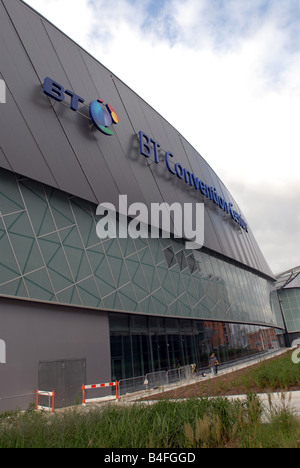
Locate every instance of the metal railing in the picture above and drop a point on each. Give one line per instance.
(132, 385)
(181, 373)
(154, 379)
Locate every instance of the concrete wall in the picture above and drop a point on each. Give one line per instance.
(35, 332)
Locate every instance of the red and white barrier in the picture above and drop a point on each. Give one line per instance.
(48, 394)
(100, 385)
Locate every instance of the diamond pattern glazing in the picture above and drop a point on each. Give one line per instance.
(50, 252)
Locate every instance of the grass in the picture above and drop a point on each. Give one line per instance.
(193, 423)
(276, 374)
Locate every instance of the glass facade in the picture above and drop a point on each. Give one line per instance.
(141, 344)
(290, 303)
(50, 252)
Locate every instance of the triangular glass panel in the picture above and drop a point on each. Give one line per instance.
(10, 199)
(23, 242)
(14, 288)
(37, 207)
(113, 302)
(60, 208)
(69, 296)
(39, 286)
(8, 267)
(128, 298)
(85, 221)
(89, 293)
(101, 271)
(55, 261)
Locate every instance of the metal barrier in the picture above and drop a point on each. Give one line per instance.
(156, 379)
(45, 393)
(101, 385)
(134, 384)
(181, 373)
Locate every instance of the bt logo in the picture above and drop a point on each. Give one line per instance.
(103, 118)
(102, 115)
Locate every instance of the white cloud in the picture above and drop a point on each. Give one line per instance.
(72, 17)
(227, 78)
(274, 211)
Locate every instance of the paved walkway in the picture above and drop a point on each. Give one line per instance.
(276, 400)
(199, 378)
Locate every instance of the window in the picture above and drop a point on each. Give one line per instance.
(181, 260)
(170, 257)
(192, 263)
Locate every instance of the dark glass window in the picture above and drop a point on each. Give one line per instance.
(181, 260)
(170, 257)
(142, 345)
(192, 263)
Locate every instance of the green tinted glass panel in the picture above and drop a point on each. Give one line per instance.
(127, 297)
(101, 270)
(23, 242)
(14, 288)
(60, 209)
(89, 293)
(37, 207)
(39, 286)
(69, 296)
(56, 262)
(75, 253)
(85, 221)
(8, 266)
(10, 198)
(127, 247)
(113, 302)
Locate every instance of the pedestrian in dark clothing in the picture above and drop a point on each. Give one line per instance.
(212, 363)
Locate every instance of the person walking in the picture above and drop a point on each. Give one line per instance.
(212, 364)
(216, 366)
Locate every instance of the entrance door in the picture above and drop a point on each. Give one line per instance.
(65, 378)
(117, 370)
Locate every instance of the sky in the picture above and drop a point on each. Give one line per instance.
(226, 75)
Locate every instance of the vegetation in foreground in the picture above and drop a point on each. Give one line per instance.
(192, 423)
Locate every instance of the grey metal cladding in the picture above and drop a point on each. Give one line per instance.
(16, 133)
(44, 140)
(32, 137)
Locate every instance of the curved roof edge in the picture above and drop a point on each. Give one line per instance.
(94, 168)
(288, 279)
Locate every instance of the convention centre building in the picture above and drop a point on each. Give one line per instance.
(77, 307)
(288, 290)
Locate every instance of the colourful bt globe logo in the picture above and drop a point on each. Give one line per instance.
(103, 116)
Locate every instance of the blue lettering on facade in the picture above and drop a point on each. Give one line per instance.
(102, 115)
(145, 146)
(167, 156)
(149, 147)
(56, 91)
